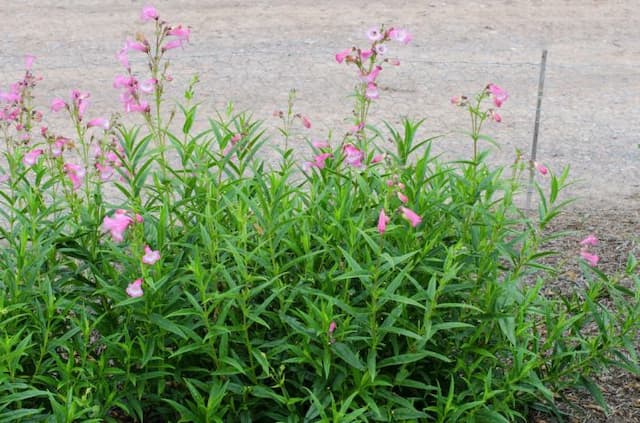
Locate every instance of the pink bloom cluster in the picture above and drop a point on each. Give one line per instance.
(132, 91)
(409, 215)
(15, 107)
(591, 258)
(117, 225)
(367, 62)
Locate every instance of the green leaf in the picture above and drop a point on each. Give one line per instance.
(343, 351)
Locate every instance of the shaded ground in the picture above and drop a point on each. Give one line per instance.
(619, 236)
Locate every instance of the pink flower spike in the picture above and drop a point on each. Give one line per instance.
(306, 122)
(57, 104)
(31, 157)
(100, 122)
(394, 62)
(117, 224)
(591, 259)
(499, 95)
(150, 256)
(139, 218)
(590, 240)
(353, 156)
(402, 198)
(542, 169)
(411, 216)
(28, 61)
(148, 13)
(344, 53)
(75, 173)
(383, 220)
(134, 289)
(374, 34)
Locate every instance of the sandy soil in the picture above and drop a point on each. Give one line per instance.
(253, 53)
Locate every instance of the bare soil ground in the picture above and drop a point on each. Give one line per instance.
(252, 53)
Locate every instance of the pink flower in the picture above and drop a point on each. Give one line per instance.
(28, 61)
(80, 101)
(332, 327)
(148, 13)
(106, 171)
(402, 198)
(499, 95)
(57, 104)
(150, 256)
(123, 57)
(374, 34)
(495, 116)
(541, 168)
(383, 220)
(31, 157)
(591, 259)
(58, 146)
(411, 216)
(378, 158)
(136, 45)
(590, 240)
(148, 86)
(75, 173)
(371, 77)
(381, 49)
(357, 128)
(172, 44)
(365, 54)
(180, 32)
(139, 218)
(306, 122)
(372, 91)
(134, 289)
(320, 160)
(353, 156)
(100, 122)
(320, 144)
(400, 35)
(117, 224)
(344, 53)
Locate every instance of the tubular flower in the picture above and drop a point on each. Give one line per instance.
(411, 216)
(134, 289)
(117, 224)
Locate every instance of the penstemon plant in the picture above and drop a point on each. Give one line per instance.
(154, 276)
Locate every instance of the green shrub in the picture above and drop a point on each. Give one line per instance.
(212, 287)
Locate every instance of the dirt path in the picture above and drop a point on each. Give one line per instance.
(254, 53)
